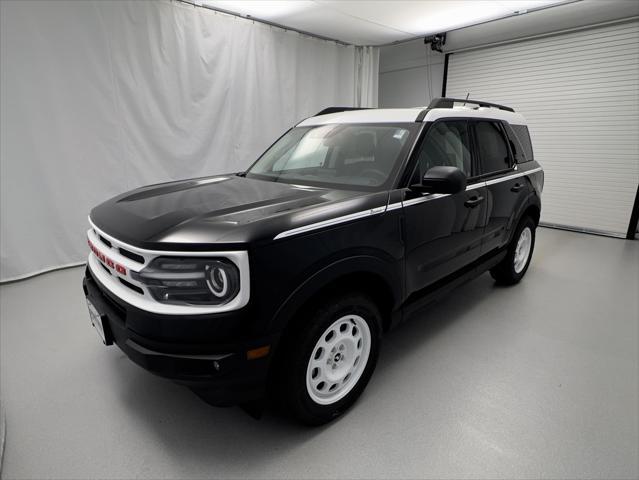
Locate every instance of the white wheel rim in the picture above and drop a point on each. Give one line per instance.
(338, 360)
(522, 251)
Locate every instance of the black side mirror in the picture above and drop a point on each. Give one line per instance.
(442, 180)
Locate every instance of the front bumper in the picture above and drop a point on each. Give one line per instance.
(186, 349)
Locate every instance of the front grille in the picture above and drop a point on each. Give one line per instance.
(105, 241)
(106, 297)
(132, 256)
(105, 268)
(131, 286)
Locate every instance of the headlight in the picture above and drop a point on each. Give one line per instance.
(190, 281)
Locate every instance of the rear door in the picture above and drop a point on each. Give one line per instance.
(443, 232)
(506, 190)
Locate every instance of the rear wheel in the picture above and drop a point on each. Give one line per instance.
(331, 358)
(514, 266)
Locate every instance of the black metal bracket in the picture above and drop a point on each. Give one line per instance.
(436, 41)
(634, 218)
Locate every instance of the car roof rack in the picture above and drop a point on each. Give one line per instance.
(450, 103)
(328, 110)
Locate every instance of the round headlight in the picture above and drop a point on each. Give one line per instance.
(217, 280)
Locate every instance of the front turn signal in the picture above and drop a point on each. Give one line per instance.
(258, 352)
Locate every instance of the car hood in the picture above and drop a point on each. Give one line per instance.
(225, 209)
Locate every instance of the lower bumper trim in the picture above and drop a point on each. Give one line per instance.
(145, 351)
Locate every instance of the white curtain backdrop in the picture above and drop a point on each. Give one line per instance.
(99, 97)
(367, 76)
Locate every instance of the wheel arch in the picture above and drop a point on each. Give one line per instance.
(532, 208)
(363, 273)
(370, 275)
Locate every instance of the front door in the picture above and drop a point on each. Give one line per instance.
(443, 232)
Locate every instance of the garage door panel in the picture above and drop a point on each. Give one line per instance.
(614, 134)
(575, 86)
(613, 36)
(567, 117)
(559, 55)
(598, 97)
(578, 68)
(563, 120)
(623, 88)
(567, 60)
(580, 94)
(623, 71)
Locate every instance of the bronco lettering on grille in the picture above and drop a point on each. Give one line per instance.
(106, 260)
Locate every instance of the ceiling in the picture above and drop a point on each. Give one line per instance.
(376, 22)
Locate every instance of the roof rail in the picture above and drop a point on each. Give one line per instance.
(450, 103)
(421, 115)
(328, 110)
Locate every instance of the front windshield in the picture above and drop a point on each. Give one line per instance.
(339, 155)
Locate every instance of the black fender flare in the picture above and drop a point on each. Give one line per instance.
(364, 264)
(532, 200)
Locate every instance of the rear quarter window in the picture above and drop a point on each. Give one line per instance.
(522, 140)
(492, 146)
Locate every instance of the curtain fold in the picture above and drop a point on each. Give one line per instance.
(100, 97)
(367, 76)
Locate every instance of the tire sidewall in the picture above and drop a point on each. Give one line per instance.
(526, 222)
(310, 411)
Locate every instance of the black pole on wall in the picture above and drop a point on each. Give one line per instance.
(634, 217)
(445, 75)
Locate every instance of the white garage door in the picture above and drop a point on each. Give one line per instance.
(580, 94)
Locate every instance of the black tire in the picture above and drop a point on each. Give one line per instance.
(505, 273)
(293, 366)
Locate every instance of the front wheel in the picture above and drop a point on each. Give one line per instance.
(514, 266)
(331, 358)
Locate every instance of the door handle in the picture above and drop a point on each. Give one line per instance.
(517, 187)
(473, 202)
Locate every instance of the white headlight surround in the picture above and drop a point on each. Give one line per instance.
(239, 258)
(190, 280)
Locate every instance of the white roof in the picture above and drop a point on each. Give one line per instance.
(373, 115)
(400, 115)
(481, 112)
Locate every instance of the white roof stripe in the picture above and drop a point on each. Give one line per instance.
(374, 115)
(482, 112)
(399, 115)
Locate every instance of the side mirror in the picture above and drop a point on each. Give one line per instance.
(449, 180)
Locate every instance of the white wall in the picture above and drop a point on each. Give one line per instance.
(404, 79)
(100, 97)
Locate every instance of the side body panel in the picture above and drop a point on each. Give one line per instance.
(289, 271)
(506, 197)
(443, 234)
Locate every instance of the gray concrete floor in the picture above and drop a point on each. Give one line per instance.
(539, 380)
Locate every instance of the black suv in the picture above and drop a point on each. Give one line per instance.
(287, 275)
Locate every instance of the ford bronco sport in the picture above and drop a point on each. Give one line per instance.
(282, 279)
